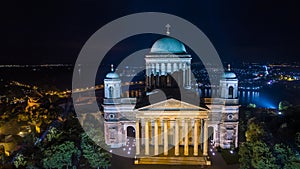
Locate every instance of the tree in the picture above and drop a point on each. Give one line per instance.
(19, 161)
(255, 132)
(285, 158)
(251, 105)
(256, 155)
(93, 152)
(245, 155)
(262, 157)
(61, 155)
(283, 105)
(53, 134)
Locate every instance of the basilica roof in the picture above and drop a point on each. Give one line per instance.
(167, 45)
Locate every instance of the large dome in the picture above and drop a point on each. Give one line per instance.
(168, 45)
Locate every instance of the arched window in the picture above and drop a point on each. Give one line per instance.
(230, 92)
(110, 92)
(130, 132)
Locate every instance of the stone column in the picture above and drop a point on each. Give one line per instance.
(175, 67)
(147, 69)
(201, 133)
(163, 69)
(186, 137)
(196, 137)
(157, 68)
(146, 137)
(152, 69)
(205, 138)
(169, 68)
(186, 75)
(183, 78)
(166, 147)
(156, 136)
(137, 137)
(189, 75)
(148, 75)
(177, 137)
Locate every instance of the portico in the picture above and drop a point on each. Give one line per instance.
(171, 128)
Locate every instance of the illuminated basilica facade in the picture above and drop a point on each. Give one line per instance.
(171, 127)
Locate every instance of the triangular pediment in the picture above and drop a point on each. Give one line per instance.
(172, 104)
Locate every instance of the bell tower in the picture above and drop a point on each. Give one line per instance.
(230, 110)
(112, 85)
(229, 85)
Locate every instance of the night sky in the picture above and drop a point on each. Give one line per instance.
(54, 31)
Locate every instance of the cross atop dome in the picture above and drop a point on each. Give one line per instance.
(168, 26)
(112, 74)
(112, 67)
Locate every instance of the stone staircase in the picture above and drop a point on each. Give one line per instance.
(174, 160)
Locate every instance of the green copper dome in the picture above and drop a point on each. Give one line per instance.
(168, 45)
(229, 75)
(112, 74)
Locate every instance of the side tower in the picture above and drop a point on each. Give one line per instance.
(112, 100)
(229, 85)
(118, 112)
(230, 110)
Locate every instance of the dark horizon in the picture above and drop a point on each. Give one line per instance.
(38, 32)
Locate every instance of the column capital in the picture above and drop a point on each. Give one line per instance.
(166, 119)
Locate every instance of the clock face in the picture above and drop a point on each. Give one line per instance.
(111, 116)
(230, 116)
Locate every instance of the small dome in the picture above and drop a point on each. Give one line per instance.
(229, 75)
(167, 45)
(112, 74)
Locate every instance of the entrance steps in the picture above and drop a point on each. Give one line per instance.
(203, 160)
